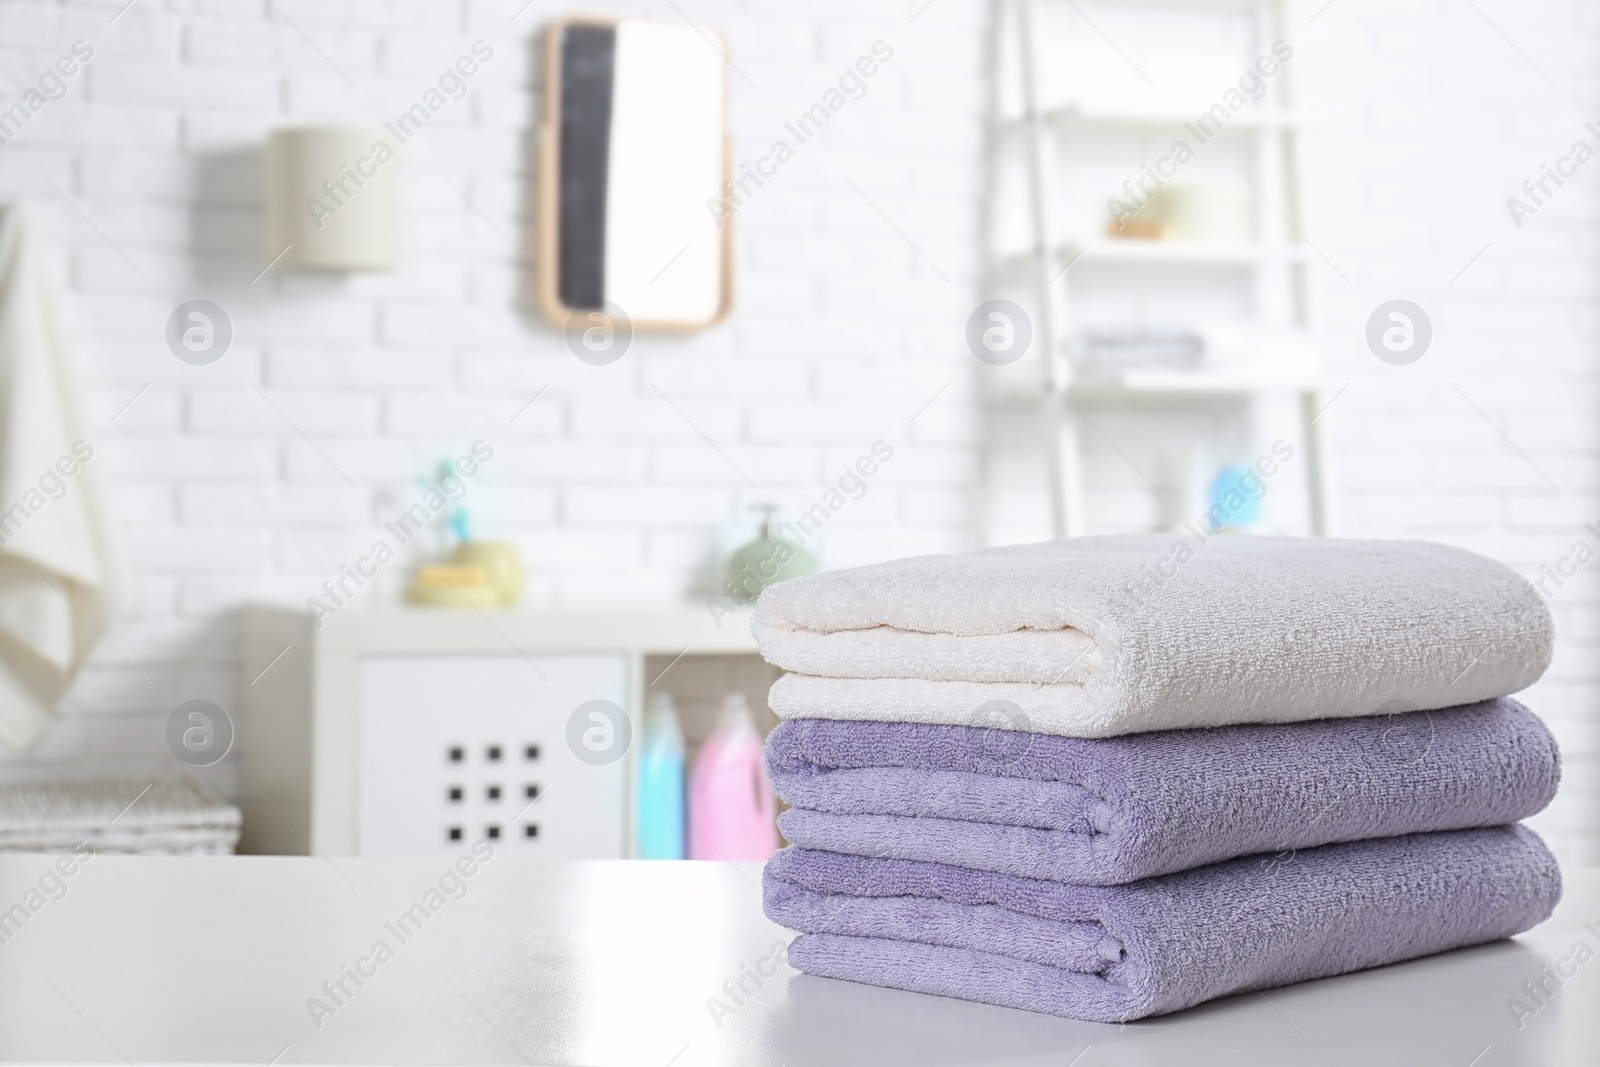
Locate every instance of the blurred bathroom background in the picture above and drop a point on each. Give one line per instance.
(1205, 308)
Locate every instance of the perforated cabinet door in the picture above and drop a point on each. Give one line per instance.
(456, 748)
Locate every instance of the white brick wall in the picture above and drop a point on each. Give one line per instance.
(1422, 121)
(611, 493)
(1425, 121)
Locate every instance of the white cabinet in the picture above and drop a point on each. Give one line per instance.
(455, 748)
(384, 733)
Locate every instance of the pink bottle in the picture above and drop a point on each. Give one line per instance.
(732, 812)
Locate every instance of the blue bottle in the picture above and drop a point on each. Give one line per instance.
(660, 792)
(1236, 498)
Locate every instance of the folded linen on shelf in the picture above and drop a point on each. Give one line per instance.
(179, 816)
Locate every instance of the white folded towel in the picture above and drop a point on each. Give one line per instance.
(56, 562)
(1098, 636)
(173, 817)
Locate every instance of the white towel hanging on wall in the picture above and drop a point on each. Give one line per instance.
(56, 569)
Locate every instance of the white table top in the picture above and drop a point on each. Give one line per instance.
(213, 961)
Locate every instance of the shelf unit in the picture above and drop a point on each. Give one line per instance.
(1279, 246)
(1176, 384)
(1269, 118)
(349, 733)
(1112, 250)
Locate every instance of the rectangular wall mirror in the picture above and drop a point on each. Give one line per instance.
(634, 164)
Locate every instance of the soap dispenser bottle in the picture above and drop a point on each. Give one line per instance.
(660, 792)
(732, 811)
(767, 560)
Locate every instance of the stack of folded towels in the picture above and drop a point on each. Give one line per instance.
(1105, 779)
(177, 817)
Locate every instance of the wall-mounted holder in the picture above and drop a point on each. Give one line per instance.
(333, 198)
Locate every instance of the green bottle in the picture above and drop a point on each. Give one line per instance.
(767, 560)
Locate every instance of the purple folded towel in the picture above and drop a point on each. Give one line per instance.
(1113, 810)
(1110, 954)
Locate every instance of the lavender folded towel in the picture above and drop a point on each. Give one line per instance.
(1111, 810)
(1125, 952)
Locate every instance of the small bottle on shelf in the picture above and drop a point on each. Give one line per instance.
(732, 810)
(660, 791)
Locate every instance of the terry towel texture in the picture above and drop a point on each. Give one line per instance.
(1100, 636)
(1112, 810)
(1125, 952)
(174, 817)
